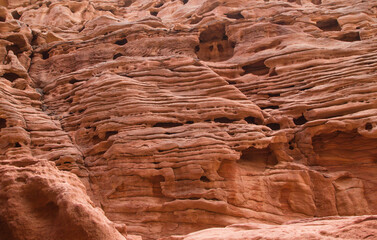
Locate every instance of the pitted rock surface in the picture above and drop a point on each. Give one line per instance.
(181, 115)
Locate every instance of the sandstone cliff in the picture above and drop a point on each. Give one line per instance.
(173, 116)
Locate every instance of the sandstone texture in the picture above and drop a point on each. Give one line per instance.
(173, 116)
(360, 227)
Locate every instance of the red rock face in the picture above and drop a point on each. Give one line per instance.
(183, 115)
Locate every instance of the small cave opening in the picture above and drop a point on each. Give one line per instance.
(350, 37)
(185, 1)
(189, 122)
(167, 124)
(121, 42)
(17, 145)
(14, 48)
(73, 81)
(117, 56)
(110, 133)
(250, 120)
(2, 19)
(330, 24)
(257, 159)
(11, 76)
(156, 185)
(153, 13)
(235, 15)
(258, 68)
(16, 15)
(204, 179)
(300, 120)
(224, 120)
(214, 44)
(273, 126)
(368, 126)
(3, 123)
(45, 55)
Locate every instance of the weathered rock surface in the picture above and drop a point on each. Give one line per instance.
(188, 114)
(360, 227)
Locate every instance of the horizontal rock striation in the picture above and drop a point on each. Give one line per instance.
(188, 114)
(360, 227)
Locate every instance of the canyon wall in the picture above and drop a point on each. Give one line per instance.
(159, 118)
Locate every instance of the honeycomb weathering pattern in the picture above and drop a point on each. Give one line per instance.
(174, 116)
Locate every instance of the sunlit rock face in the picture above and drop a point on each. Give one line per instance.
(173, 116)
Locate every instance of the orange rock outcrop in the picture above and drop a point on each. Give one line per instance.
(174, 116)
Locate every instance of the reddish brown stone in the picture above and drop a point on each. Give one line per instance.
(183, 115)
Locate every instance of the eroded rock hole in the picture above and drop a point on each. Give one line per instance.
(73, 81)
(45, 55)
(121, 42)
(184, 1)
(257, 68)
(204, 179)
(214, 44)
(16, 15)
(300, 120)
(273, 94)
(250, 120)
(257, 159)
(153, 13)
(350, 37)
(274, 126)
(270, 107)
(189, 122)
(3, 123)
(235, 15)
(224, 120)
(317, 2)
(368, 126)
(14, 48)
(110, 133)
(117, 56)
(2, 19)
(11, 76)
(167, 124)
(330, 24)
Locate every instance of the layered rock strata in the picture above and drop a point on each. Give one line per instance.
(184, 115)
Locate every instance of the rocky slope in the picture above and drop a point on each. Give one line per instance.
(180, 115)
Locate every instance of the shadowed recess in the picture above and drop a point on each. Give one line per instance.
(3, 123)
(11, 76)
(257, 68)
(330, 24)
